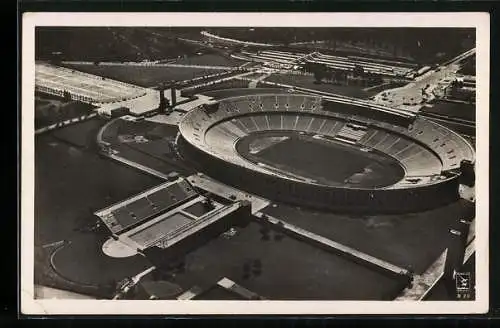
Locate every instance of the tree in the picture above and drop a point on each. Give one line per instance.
(66, 96)
(318, 76)
(319, 71)
(358, 71)
(307, 66)
(329, 75)
(333, 75)
(342, 77)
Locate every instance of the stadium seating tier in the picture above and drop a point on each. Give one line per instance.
(424, 149)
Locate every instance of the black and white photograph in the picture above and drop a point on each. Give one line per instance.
(205, 163)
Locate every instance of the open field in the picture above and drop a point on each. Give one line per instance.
(87, 248)
(306, 81)
(51, 109)
(280, 267)
(145, 76)
(412, 240)
(110, 43)
(209, 60)
(95, 182)
(154, 153)
(457, 110)
(225, 93)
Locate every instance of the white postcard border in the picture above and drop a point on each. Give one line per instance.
(478, 20)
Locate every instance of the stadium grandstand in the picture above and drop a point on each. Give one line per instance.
(428, 155)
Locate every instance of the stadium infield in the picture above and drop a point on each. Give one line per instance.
(327, 162)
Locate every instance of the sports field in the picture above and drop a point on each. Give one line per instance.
(330, 163)
(144, 76)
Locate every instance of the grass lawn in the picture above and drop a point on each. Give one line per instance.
(279, 267)
(458, 110)
(225, 93)
(142, 75)
(209, 60)
(50, 110)
(308, 82)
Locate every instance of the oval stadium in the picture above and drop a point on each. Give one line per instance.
(302, 149)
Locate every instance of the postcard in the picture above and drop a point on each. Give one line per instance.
(254, 163)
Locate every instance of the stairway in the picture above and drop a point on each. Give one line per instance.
(351, 133)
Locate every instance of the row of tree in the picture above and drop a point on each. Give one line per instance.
(323, 72)
(108, 44)
(424, 45)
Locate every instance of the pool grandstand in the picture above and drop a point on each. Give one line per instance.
(135, 210)
(170, 216)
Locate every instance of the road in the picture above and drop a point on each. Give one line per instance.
(254, 82)
(149, 63)
(410, 96)
(223, 79)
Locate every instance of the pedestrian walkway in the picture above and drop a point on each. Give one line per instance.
(254, 82)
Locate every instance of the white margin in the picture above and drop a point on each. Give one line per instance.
(478, 20)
